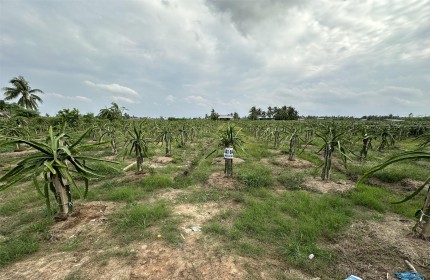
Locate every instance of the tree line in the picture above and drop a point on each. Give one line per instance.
(281, 113)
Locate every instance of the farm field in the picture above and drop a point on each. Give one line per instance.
(289, 211)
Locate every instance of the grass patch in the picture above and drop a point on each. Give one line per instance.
(381, 200)
(311, 157)
(110, 191)
(23, 239)
(255, 151)
(293, 181)
(289, 227)
(22, 201)
(202, 171)
(202, 195)
(170, 231)
(16, 248)
(105, 169)
(130, 223)
(255, 176)
(155, 182)
(183, 181)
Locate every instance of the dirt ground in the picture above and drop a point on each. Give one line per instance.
(369, 249)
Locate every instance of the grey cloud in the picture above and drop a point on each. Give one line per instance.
(319, 56)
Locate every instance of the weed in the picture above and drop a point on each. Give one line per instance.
(255, 176)
(15, 248)
(293, 181)
(155, 182)
(132, 221)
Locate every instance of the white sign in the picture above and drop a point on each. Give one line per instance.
(228, 153)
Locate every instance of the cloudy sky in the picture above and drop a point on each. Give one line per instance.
(182, 58)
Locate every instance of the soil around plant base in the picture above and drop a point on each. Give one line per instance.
(369, 249)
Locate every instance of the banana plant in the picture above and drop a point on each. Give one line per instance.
(58, 163)
(138, 145)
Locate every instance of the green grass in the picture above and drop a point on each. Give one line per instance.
(131, 222)
(254, 151)
(253, 176)
(292, 180)
(290, 227)
(105, 168)
(155, 182)
(15, 204)
(263, 224)
(23, 237)
(202, 171)
(113, 191)
(394, 173)
(18, 247)
(311, 157)
(381, 200)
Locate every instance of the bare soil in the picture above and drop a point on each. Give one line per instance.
(295, 163)
(320, 186)
(373, 249)
(369, 249)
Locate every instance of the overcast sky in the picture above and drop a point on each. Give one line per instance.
(182, 58)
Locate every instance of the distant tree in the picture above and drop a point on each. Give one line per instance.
(270, 112)
(254, 113)
(88, 118)
(214, 115)
(286, 113)
(236, 116)
(28, 98)
(69, 117)
(19, 111)
(3, 105)
(112, 113)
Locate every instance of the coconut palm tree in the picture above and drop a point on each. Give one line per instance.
(28, 98)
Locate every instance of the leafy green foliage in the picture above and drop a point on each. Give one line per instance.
(137, 144)
(53, 161)
(21, 88)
